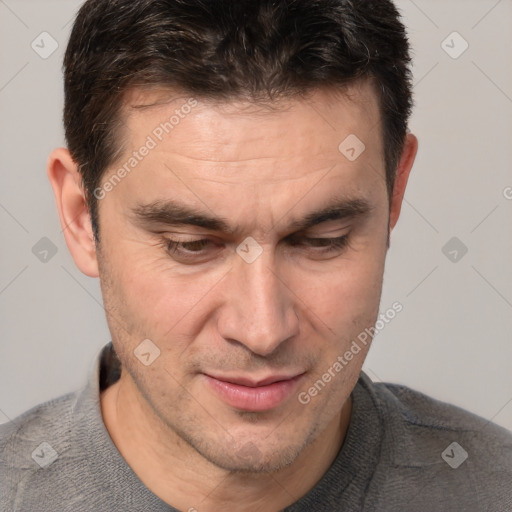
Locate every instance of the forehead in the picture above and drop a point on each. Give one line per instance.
(247, 159)
(255, 165)
(211, 130)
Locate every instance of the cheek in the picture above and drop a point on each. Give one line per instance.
(167, 302)
(348, 294)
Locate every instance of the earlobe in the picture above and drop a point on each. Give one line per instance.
(73, 212)
(402, 175)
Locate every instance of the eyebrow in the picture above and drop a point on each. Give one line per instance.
(174, 213)
(338, 210)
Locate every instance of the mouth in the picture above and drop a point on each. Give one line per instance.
(247, 394)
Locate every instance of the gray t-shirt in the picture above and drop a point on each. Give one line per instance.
(403, 451)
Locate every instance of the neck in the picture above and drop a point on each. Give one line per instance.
(182, 478)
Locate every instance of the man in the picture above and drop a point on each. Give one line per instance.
(234, 170)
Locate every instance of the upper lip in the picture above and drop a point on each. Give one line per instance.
(254, 383)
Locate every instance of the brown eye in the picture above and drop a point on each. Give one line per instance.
(190, 252)
(193, 246)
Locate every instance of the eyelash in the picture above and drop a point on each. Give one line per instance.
(327, 246)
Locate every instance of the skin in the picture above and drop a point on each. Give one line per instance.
(293, 310)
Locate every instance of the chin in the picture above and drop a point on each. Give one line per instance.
(250, 458)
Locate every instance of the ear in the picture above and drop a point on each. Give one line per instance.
(402, 175)
(73, 212)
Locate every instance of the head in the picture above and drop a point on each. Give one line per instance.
(233, 172)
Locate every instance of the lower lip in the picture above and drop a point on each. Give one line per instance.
(261, 398)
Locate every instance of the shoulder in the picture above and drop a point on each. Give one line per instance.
(416, 409)
(34, 423)
(38, 439)
(435, 449)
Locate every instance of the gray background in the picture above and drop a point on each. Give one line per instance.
(453, 338)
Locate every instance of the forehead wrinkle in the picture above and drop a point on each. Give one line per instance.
(216, 174)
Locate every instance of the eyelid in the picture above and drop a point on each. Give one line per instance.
(332, 246)
(181, 242)
(333, 233)
(181, 254)
(299, 238)
(182, 238)
(296, 237)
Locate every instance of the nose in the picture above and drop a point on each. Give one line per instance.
(259, 308)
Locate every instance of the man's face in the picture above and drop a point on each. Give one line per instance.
(228, 313)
